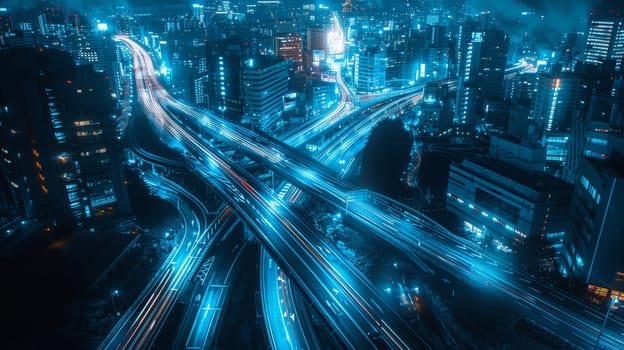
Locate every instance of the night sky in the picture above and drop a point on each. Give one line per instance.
(563, 12)
(563, 15)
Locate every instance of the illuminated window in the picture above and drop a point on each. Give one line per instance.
(579, 261)
(591, 190)
(597, 290)
(595, 141)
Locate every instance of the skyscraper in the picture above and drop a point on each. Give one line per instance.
(555, 100)
(225, 65)
(434, 63)
(590, 128)
(316, 39)
(436, 36)
(554, 108)
(315, 49)
(320, 95)
(290, 46)
(520, 89)
(265, 82)
(594, 244)
(464, 35)
(58, 139)
(370, 70)
(482, 72)
(492, 62)
(436, 109)
(605, 38)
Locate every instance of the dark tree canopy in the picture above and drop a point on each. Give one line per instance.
(385, 157)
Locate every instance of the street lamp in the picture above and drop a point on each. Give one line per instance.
(604, 322)
(113, 294)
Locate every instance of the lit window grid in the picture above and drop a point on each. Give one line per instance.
(458, 202)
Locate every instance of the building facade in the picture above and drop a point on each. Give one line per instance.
(290, 47)
(435, 110)
(265, 83)
(224, 63)
(481, 73)
(369, 71)
(594, 245)
(554, 108)
(605, 38)
(62, 159)
(506, 204)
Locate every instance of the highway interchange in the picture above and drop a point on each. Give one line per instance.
(308, 258)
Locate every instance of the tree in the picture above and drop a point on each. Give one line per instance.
(385, 157)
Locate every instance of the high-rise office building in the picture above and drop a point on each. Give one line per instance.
(555, 103)
(616, 120)
(97, 49)
(315, 49)
(97, 154)
(598, 137)
(316, 39)
(593, 246)
(52, 21)
(555, 100)
(464, 36)
(520, 89)
(595, 79)
(63, 161)
(481, 73)
(435, 109)
(492, 62)
(590, 129)
(594, 242)
(225, 66)
(434, 64)
(369, 70)
(321, 95)
(199, 14)
(199, 95)
(290, 46)
(436, 36)
(265, 82)
(605, 38)
(394, 64)
(571, 49)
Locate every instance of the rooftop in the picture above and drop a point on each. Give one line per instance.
(536, 181)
